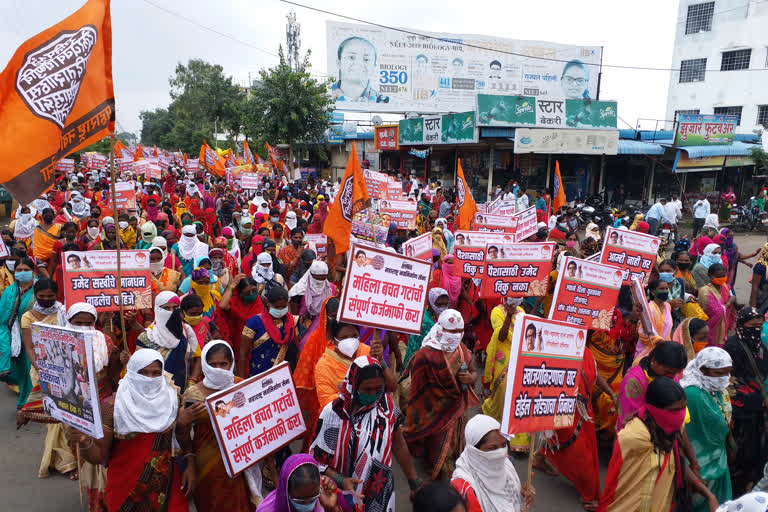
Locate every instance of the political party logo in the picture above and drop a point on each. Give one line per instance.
(346, 198)
(556, 186)
(49, 79)
(461, 190)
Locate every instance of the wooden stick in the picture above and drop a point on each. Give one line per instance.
(531, 455)
(79, 480)
(117, 241)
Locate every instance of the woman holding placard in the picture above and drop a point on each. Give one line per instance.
(215, 491)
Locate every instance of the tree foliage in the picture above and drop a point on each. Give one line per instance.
(288, 106)
(760, 157)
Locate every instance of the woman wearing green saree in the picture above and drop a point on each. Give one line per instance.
(705, 380)
(16, 300)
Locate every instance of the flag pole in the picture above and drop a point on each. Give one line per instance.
(118, 240)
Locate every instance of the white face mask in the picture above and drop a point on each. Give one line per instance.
(716, 383)
(94, 232)
(149, 387)
(10, 264)
(156, 266)
(123, 224)
(451, 340)
(316, 285)
(348, 346)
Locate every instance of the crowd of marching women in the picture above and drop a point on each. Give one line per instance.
(237, 289)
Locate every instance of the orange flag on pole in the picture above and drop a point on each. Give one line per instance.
(351, 198)
(467, 205)
(210, 160)
(56, 97)
(121, 151)
(558, 193)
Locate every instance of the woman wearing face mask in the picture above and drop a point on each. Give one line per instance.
(233, 247)
(291, 253)
(264, 274)
(667, 358)
(661, 318)
(484, 475)
(711, 255)
(228, 264)
(24, 224)
(717, 302)
(270, 337)
(438, 301)
(173, 339)
(442, 375)
(239, 302)
(171, 259)
(309, 294)
(163, 278)
(683, 262)
(16, 300)
(667, 269)
(215, 490)
(192, 314)
(750, 368)
(208, 292)
(572, 244)
(647, 470)
(205, 263)
(693, 334)
(139, 425)
(357, 435)
(451, 282)
(107, 240)
(705, 381)
(148, 234)
(189, 249)
(438, 242)
(44, 237)
(91, 234)
(302, 488)
(79, 206)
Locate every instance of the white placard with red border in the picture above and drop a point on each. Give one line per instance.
(249, 180)
(526, 224)
(631, 251)
(517, 270)
(419, 247)
(469, 250)
(320, 241)
(255, 417)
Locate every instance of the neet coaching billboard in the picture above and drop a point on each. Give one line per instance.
(383, 70)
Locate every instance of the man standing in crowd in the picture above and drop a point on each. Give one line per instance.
(700, 214)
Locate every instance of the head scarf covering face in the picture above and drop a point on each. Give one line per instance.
(434, 294)
(712, 358)
(161, 242)
(80, 207)
(451, 282)
(217, 378)
(291, 220)
(260, 273)
(437, 338)
(148, 232)
(100, 350)
(158, 332)
(712, 221)
(144, 404)
(25, 224)
(314, 291)
(190, 247)
(750, 336)
(709, 258)
(490, 474)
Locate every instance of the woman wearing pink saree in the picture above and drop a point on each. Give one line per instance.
(717, 302)
(661, 318)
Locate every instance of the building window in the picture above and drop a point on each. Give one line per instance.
(762, 115)
(729, 111)
(692, 70)
(690, 112)
(699, 18)
(735, 60)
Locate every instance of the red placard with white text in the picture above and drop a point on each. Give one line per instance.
(320, 242)
(586, 293)
(65, 165)
(469, 251)
(125, 195)
(543, 375)
(402, 212)
(517, 270)
(631, 251)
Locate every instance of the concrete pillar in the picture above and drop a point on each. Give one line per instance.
(602, 174)
(549, 170)
(649, 199)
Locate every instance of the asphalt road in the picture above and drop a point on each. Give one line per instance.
(22, 490)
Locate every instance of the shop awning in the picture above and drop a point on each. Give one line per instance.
(735, 149)
(636, 147)
(497, 132)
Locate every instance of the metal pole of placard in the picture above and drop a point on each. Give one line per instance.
(117, 240)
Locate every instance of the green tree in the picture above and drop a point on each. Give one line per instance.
(288, 106)
(154, 125)
(761, 159)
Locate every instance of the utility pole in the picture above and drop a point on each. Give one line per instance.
(293, 40)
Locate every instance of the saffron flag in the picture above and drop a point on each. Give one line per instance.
(56, 97)
(210, 160)
(272, 160)
(558, 193)
(351, 198)
(122, 151)
(247, 154)
(467, 205)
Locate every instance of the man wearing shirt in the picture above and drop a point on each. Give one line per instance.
(700, 213)
(673, 210)
(656, 214)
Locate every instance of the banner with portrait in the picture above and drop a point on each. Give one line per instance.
(517, 270)
(633, 252)
(403, 213)
(586, 293)
(419, 247)
(384, 290)
(543, 375)
(125, 195)
(469, 251)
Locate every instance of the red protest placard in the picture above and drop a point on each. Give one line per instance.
(517, 270)
(92, 277)
(586, 293)
(631, 251)
(394, 191)
(543, 374)
(469, 251)
(152, 172)
(140, 167)
(525, 224)
(402, 212)
(125, 196)
(419, 247)
(386, 137)
(320, 241)
(255, 417)
(125, 165)
(250, 180)
(65, 165)
(376, 182)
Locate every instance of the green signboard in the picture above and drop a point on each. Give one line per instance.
(434, 130)
(411, 132)
(590, 114)
(498, 110)
(704, 130)
(458, 128)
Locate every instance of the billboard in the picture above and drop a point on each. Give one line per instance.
(443, 129)
(528, 111)
(385, 70)
(559, 141)
(699, 130)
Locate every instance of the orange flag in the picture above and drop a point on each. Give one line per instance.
(56, 98)
(210, 160)
(467, 205)
(558, 194)
(122, 151)
(247, 154)
(351, 198)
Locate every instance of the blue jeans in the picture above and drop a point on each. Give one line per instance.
(654, 223)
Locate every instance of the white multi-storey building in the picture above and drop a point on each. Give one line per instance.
(721, 51)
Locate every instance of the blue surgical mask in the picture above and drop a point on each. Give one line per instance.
(275, 219)
(278, 313)
(710, 259)
(667, 276)
(24, 276)
(303, 507)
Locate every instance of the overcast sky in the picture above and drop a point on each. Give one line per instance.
(148, 42)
